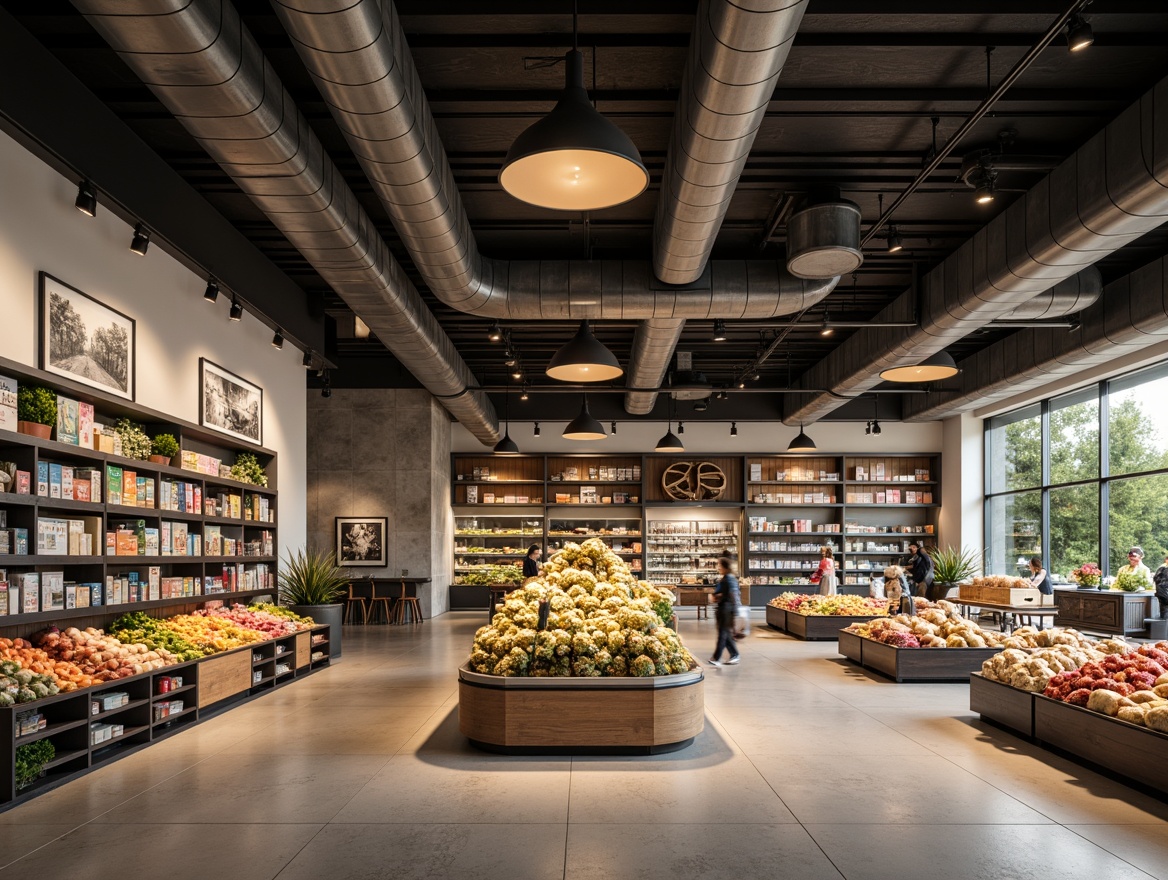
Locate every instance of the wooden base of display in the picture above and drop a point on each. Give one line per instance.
(914, 664)
(1128, 750)
(580, 715)
(1104, 611)
(810, 627)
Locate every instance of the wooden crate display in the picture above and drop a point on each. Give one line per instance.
(974, 593)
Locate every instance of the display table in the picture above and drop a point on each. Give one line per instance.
(1103, 611)
(627, 715)
(914, 664)
(810, 627)
(1009, 612)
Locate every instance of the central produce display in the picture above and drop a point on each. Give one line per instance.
(581, 659)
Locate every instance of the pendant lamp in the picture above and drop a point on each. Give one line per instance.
(937, 366)
(574, 159)
(670, 442)
(507, 446)
(584, 426)
(584, 358)
(801, 443)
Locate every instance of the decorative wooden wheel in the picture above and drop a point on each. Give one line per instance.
(693, 481)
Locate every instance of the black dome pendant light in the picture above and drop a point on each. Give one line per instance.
(584, 426)
(574, 159)
(801, 443)
(670, 442)
(506, 446)
(584, 358)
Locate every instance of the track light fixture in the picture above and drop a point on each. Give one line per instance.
(236, 312)
(801, 443)
(681, 428)
(741, 383)
(895, 243)
(875, 426)
(734, 429)
(755, 376)
(1079, 33)
(584, 358)
(86, 201)
(326, 389)
(719, 331)
(584, 426)
(721, 395)
(535, 430)
(212, 292)
(496, 333)
(868, 427)
(517, 373)
(523, 395)
(306, 362)
(612, 427)
(825, 329)
(278, 339)
(141, 240)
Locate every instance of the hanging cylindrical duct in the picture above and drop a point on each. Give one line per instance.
(823, 237)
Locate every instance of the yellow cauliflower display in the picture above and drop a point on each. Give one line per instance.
(601, 622)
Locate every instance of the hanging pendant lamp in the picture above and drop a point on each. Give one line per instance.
(584, 426)
(670, 442)
(935, 367)
(584, 358)
(507, 446)
(574, 159)
(801, 443)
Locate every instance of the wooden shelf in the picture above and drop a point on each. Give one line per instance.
(66, 757)
(50, 730)
(107, 713)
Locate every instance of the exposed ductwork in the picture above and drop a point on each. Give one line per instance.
(653, 347)
(736, 54)
(1132, 315)
(1069, 297)
(206, 68)
(358, 57)
(1110, 192)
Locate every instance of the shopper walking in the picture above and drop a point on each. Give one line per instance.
(531, 562)
(824, 576)
(727, 593)
(920, 569)
(1161, 581)
(1040, 577)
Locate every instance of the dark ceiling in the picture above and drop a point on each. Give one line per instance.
(854, 107)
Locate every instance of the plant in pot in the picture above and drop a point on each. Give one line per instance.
(1087, 576)
(135, 442)
(247, 469)
(163, 449)
(36, 411)
(951, 566)
(312, 585)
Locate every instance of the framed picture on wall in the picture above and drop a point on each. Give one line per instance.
(361, 540)
(85, 340)
(230, 404)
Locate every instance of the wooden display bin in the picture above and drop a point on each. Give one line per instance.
(851, 646)
(1129, 750)
(1004, 705)
(915, 664)
(776, 618)
(518, 715)
(971, 595)
(820, 627)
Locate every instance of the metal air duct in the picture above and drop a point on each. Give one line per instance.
(823, 238)
(1111, 191)
(206, 68)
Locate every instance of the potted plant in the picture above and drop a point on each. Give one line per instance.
(312, 585)
(163, 449)
(247, 470)
(1088, 576)
(135, 442)
(36, 411)
(951, 566)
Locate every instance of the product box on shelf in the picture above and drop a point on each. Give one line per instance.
(66, 420)
(29, 585)
(85, 425)
(23, 483)
(8, 389)
(52, 590)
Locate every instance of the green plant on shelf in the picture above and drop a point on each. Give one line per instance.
(31, 760)
(36, 404)
(247, 470)
(135, 442)
(164, 444)
(312, 577)
(1131, 581)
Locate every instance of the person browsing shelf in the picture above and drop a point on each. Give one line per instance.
(1040, 577)
(728, 596)
(825, 574)
(531, 562)
(920, 569)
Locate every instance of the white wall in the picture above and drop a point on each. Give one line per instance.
(41, 230)
(963, 481)
(714, 438)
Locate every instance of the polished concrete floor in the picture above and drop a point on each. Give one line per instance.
(808, 768)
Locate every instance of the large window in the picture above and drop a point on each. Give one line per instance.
(1052, 491)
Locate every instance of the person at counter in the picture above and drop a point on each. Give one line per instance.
(1135, 565)
(531, 562)
(1160, 579)
(920, 569)
(1040, 577)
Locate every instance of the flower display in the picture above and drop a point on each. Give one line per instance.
(601, 621)
(271, 625)
(1087, 575)
(830, 606)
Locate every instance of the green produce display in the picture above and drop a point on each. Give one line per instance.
(19, 685)
(491, 575)
(139, 628)
(31, 760)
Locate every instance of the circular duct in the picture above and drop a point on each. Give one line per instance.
(823, 240)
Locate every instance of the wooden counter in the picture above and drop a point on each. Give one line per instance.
(1103, 611)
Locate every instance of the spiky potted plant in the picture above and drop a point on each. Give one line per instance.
(312, 585)
(163, 449)
(951, 566)
(36, 411)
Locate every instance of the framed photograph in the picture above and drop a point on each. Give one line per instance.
(230, 404)
(361, 540)
(85, 340)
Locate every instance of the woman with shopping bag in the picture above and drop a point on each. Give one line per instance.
(825, 574)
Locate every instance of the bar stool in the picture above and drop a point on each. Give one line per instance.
(407, 609)
(353, 604)
(381, 602)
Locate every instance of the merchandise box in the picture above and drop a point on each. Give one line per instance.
(3, 598)
(42, 479)
(52, 537)
(8, 388)
(85, 425)
(23, 483)
(54, 480)
(29, 585)
(83, 596)
(52, 591)
(67, 415)
(66, 481)
(113, 482)
(70, 597)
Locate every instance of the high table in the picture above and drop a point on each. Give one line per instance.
(389, 590)
(1009, 612)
